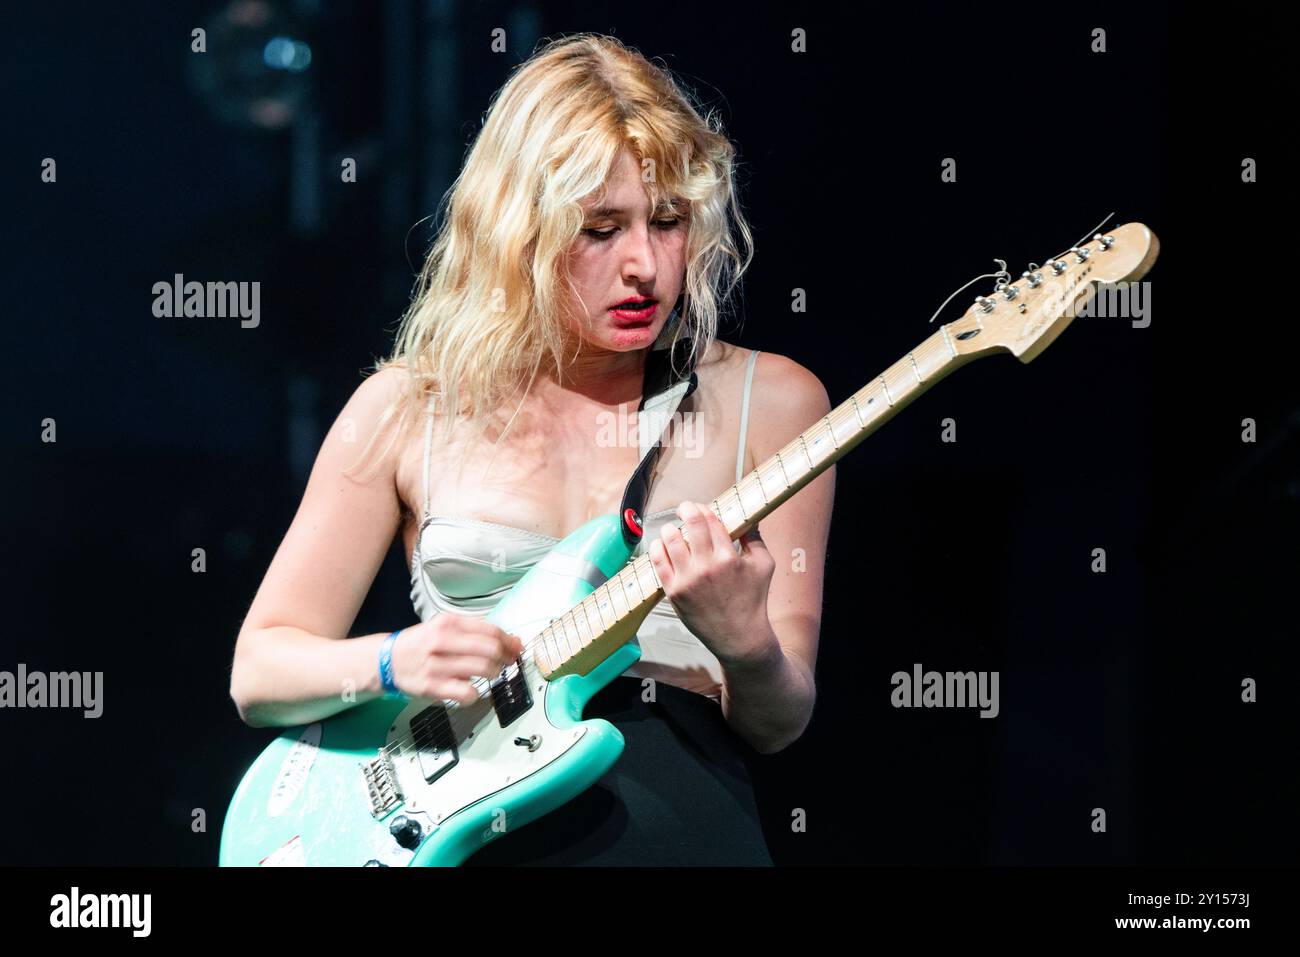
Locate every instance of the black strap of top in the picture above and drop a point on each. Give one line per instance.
(664, 369)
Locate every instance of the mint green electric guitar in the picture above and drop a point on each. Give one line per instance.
(425, 782)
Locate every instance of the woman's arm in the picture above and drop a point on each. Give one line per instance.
(769, 699)
(290, 665)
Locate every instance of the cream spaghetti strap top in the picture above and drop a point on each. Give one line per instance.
(465, 566)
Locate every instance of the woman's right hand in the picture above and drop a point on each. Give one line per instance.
(438, 658)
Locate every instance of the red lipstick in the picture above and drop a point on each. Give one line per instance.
(635, 311)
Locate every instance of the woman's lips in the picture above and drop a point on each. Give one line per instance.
(630, 316)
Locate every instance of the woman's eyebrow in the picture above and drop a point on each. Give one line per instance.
(614, 211)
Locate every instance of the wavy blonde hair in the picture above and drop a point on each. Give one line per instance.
(488, 309)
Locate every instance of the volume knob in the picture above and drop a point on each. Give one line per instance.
(405, 831)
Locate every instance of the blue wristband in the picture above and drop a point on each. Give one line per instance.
(386, 667)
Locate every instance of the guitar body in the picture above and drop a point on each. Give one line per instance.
(449, 777)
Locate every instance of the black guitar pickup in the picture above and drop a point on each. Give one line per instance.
(510, 696)
(435, 744)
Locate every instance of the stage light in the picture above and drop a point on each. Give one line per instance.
(253, 72)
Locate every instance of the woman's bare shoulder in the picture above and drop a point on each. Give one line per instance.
(380, 400)
(779, 377)
(786, 398)
(373, 398)
(371, 424)
(781, 372)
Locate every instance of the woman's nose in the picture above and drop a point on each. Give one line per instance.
(639, 261)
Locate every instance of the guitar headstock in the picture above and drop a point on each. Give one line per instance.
(1025, 316)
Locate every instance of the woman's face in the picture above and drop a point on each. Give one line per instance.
(626, 251)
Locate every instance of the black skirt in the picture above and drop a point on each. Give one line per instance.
(680, 794)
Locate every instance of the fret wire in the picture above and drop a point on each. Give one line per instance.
(930, 345)
(554, 635)
(571, 622)
(806, 454)
(577, 630)
(740, 503)
(586, 617)
(640, 565)
(606, 591)
(778, 473)
(948, 341)
(640, 596)
(637, 569)
(831, 432)
(600, 615)
(748, 483)
(784, 474)
(613, 598)
(595, 601)
(621, 590)
(858, 409)
(761, 490)
(627, 597)
(656, 584)
(654, 576)
(560, 653)
(546, 637)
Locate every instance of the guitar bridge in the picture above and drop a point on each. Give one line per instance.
(382, 787)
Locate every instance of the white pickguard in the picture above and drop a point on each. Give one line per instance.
(490, 760)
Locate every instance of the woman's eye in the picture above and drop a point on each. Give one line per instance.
(600, 236)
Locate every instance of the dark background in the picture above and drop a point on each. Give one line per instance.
(1119, 691)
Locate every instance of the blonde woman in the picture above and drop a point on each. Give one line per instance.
(594, 218)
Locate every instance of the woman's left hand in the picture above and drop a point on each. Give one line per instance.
(720, 594)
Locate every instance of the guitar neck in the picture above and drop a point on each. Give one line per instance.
(834, 435)
(607, 618)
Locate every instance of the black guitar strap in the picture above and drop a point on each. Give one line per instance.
(669, 378)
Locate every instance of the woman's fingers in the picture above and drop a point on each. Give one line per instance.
(706, 535)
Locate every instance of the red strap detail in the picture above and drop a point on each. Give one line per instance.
(633, 522)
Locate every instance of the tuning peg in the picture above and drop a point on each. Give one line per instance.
(985, 304)
(1058, 266)
(1034, 277)
(1009, 292)
(1106, 241)
(1080, 253)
